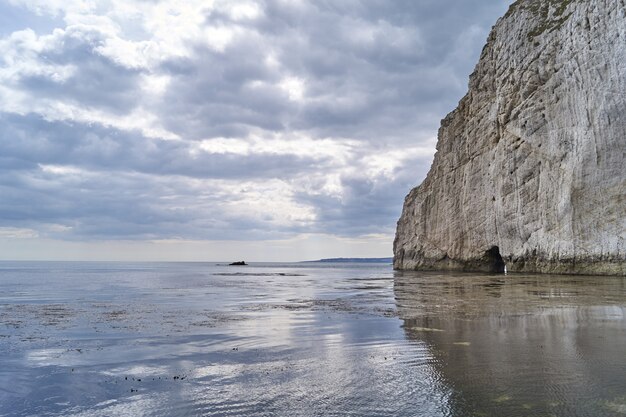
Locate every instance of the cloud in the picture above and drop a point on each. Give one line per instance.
(200, 120)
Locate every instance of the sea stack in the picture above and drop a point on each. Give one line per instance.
(530, 169)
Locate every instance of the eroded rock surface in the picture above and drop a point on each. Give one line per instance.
(531, 165)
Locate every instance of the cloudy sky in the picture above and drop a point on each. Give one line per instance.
(226, 129)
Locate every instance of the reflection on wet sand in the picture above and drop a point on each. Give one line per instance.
(306, 340)
(520, 345)
(124, 339)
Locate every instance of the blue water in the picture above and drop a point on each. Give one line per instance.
(189, 339)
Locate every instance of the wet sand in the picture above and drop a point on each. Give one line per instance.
(101, 339)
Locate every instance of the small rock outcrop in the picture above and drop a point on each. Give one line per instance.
(530, 169)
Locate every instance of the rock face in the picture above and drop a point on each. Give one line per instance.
(530, 169)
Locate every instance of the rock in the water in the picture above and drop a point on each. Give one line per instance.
(530, 169)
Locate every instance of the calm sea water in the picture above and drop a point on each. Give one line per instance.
(199, 339)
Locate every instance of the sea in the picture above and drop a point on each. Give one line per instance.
(306, 339)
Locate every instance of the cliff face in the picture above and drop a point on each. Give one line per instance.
(531, 165)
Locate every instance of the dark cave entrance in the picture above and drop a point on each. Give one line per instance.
(495, 261)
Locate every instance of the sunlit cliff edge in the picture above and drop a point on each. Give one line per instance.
(530, 169)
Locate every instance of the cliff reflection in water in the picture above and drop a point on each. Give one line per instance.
(521, 345)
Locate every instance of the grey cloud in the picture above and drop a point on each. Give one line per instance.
(97, 82)
(210, 97)
(360, 210)
(132, 187)
(387, 88)
(27, 141)
(368, 90)
(120, 206)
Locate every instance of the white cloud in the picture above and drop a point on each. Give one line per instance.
(241, 10)
(222, 146)
(218, 37)
(155, 84)
(20, 55)
(294, 143)
(61, 170)
(17, 233)
(294, 87)
(386, 163)
(270, 203)
(138, 120)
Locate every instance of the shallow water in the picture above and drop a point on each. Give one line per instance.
(188, 339)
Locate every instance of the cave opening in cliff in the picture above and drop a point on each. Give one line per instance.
(496, 263)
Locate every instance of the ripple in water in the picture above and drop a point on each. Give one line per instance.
(193, 339)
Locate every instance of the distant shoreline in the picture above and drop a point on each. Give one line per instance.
(350, 260)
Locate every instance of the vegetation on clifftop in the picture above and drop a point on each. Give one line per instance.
(550, 14)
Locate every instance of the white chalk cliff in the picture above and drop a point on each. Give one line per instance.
(530, 169)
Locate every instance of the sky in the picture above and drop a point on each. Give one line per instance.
(264, 130)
